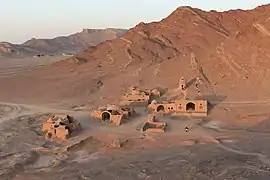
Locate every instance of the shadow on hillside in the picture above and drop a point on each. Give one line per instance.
(213, 100)
(191, 82)
(162, 90)
(80, 60)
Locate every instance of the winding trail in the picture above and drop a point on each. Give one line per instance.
(10, 111)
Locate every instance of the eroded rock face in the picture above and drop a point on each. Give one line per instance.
(6, 48)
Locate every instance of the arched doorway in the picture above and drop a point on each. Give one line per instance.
(160, 108)
(106, 116)
(190, 106)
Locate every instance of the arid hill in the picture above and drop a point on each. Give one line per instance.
(64, 44)
(229, 50)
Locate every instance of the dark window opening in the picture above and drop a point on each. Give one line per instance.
(62, 123)
(160, 108)
(49, 135)
(190, 106)
(106, 116)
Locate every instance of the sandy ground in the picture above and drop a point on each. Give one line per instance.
(231, 143)
(11, 67)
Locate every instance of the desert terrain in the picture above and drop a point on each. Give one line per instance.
(59, 45)
(227, 50)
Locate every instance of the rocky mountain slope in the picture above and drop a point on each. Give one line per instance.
(228, 50)
(64, 44)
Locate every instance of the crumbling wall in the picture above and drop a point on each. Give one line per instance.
(182, 83)
(62, 132)
(117, 119)
(184, 107)
(151, 125)
(182, 86)
(60, 126)
(114, 114)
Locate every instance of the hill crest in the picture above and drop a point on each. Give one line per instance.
(229, 50)
(63, 44)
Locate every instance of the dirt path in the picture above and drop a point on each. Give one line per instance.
(10, 110)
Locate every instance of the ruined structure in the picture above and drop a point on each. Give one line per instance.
(197, 83)
(60, 126)
(113, 114)
(180, 107)
(182, 86)
(151, 125)
(139, 96)
(182, 83)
